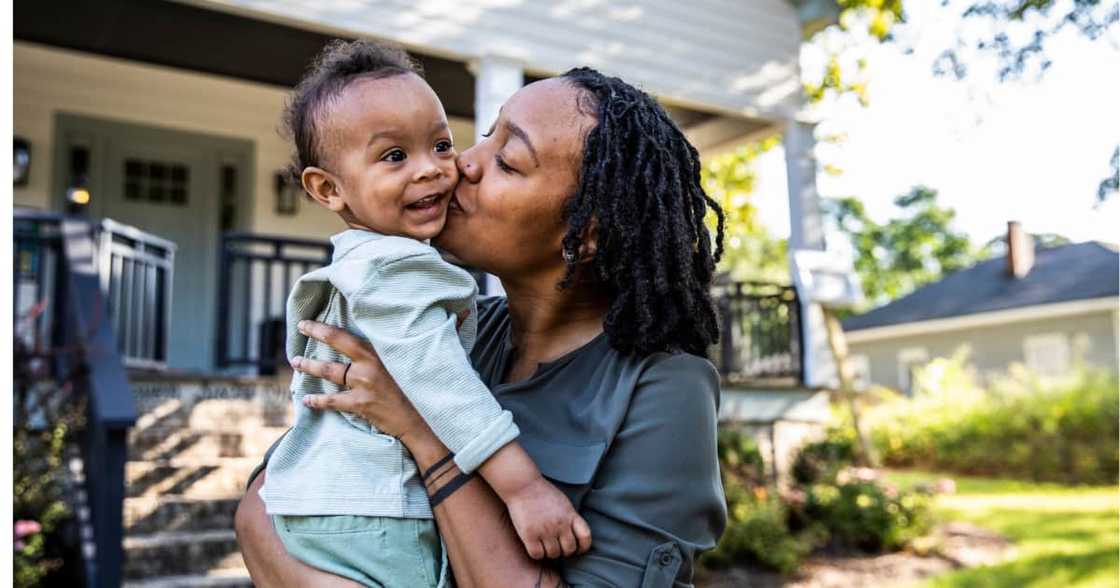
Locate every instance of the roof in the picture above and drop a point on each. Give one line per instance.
(1065, 273)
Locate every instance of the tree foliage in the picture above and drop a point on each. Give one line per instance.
(1016, 33)
(894, 258)
(751, 253)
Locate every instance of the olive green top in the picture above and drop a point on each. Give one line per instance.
(632, 442)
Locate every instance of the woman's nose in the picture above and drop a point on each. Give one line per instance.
(468, 165)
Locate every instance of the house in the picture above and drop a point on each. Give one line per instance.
(156, 121)
(1049, 310)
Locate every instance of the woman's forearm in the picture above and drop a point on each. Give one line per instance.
(482, 545)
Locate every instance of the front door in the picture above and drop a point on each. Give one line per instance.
(168, 183)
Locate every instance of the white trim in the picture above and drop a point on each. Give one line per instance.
(984, 319)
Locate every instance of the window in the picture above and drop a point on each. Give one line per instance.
(156, 182)
(1047, 355)
(910, 360)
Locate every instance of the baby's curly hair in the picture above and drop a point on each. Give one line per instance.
(639, 188)
(339, 64)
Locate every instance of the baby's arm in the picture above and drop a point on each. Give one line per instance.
(544, 518)
(407, 311)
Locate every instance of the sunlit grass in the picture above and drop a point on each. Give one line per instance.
(1064, 536)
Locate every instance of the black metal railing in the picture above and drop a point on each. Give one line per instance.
(137, 269)
(256, 272)
(760, 333)
(62, 325)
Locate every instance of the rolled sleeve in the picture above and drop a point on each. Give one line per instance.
(657, 500)
(408, 311)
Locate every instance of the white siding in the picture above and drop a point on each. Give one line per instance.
(48, 80)
(732, 55)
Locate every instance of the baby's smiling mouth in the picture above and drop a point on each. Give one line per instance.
(426, 202)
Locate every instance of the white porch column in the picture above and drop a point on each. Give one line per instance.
(807, 232)
(495, 80)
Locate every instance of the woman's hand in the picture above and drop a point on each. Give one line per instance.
(372, 393)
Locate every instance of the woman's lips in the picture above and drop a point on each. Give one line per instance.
(453, 204)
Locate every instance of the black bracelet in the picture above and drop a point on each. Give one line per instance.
(428, 472)
(448, 488)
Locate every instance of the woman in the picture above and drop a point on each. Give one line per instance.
(584, 199)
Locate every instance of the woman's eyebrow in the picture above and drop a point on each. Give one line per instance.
(520, 133)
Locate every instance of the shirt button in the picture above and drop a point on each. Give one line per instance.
(666, 559)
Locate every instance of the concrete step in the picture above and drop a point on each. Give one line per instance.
(146, 515)
(233, 578)
(231, 414)
(201, 444)
(198, 479)
(181, 554)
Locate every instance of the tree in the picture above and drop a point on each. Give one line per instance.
(751, 253)
(1015, 32)
(895, 258)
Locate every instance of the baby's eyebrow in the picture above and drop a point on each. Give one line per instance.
(379, 135)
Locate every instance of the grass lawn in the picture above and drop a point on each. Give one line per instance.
(1063, 536)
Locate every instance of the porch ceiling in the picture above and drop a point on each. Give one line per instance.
(216, 42)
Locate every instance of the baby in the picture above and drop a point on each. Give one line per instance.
(374, 147)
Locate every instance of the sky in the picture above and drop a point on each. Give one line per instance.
(1033, 151)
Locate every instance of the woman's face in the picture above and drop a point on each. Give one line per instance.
(506, 214)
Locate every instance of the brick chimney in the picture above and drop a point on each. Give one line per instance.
(1020, 250)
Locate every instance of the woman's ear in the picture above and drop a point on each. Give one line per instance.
(324, 188)
(590, 244)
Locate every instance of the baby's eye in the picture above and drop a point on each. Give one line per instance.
(444, 146)
(394, 155)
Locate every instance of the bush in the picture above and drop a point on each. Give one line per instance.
(861, 512)
(823, 460)
(46, 419)
(1021, 427)
(759, 533)
(834, 502)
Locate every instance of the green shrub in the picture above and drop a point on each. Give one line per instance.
(866, 514)
(758, 532)
(823, 460)
(848, 506)
(1021, 427)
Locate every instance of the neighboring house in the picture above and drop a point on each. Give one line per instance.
(1049, 310)
(157, 121)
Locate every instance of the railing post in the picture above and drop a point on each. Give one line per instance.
(110, 406)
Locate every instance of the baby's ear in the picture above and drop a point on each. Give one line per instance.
(323, 187)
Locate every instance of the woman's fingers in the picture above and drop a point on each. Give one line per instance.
(583, 534)
(341, 401)
(338, 339)
(330, 371)
(552, 547)
(568, 543)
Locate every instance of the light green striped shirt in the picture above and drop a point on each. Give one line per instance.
(401, 296)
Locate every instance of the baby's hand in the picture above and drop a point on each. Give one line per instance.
(547, 523)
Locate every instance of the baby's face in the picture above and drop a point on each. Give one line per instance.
(388, 142)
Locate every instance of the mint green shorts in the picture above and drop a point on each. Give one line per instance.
(375, 551)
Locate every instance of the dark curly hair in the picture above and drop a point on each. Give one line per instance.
(639, 188)
(337, 65)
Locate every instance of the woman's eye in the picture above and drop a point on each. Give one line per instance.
(502, 165)
(444, 146)
(394, 155)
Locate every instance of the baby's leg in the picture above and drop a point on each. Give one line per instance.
(376, 551)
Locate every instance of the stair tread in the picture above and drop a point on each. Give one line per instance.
(166, 538)
(227, 577)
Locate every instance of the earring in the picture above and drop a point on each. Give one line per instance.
(569, 256)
